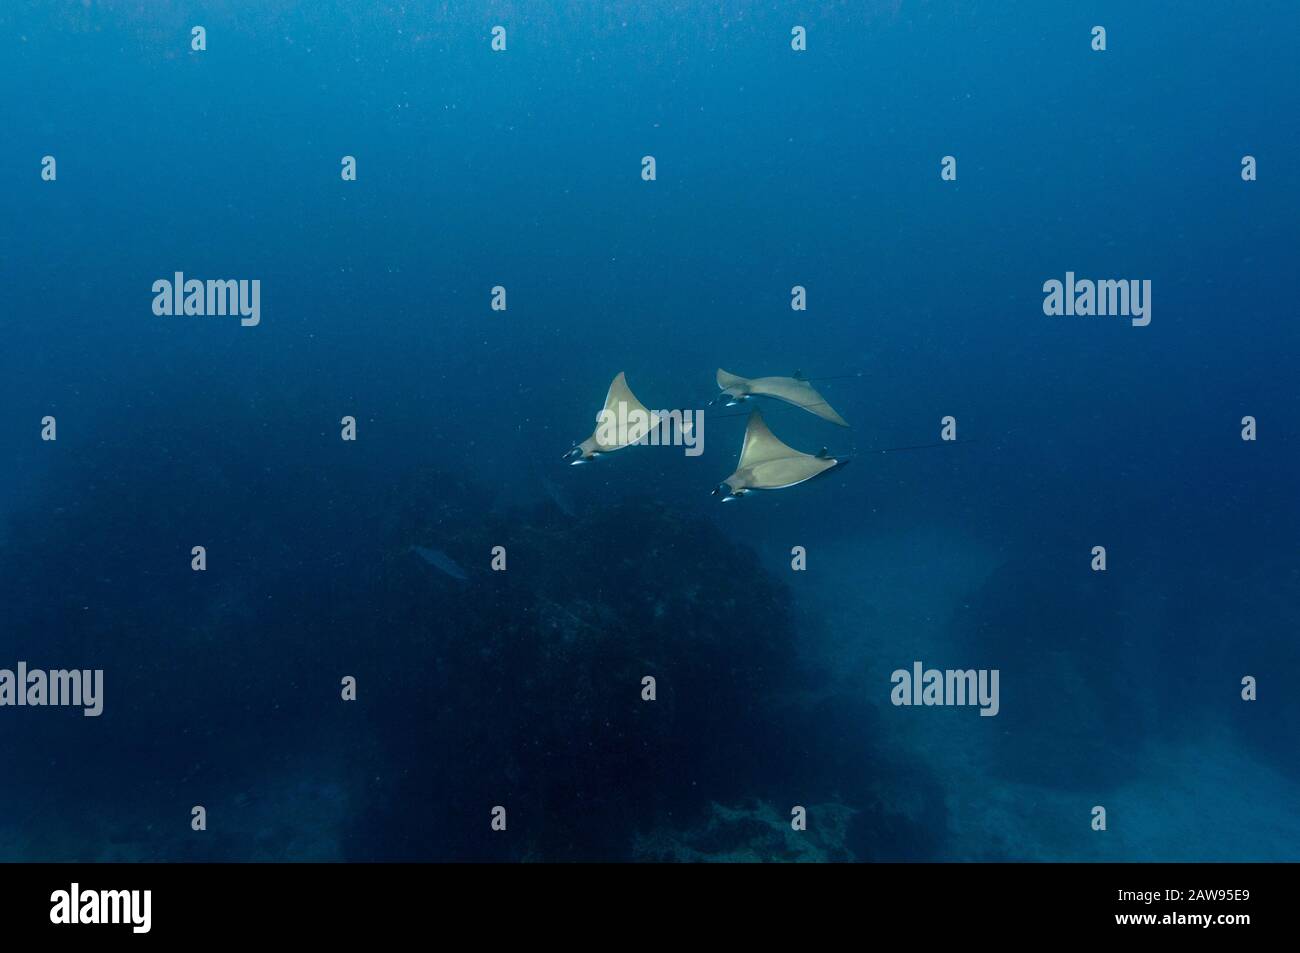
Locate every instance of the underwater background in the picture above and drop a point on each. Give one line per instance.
(522, 688)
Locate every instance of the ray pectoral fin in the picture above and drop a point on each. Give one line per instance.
(791, 471)
(620, 397)
(816, 404)
(727, 381)
(632, 420)
(617, 390)
(761, 445)
(827, 412)
(797, 391)
(622, 421)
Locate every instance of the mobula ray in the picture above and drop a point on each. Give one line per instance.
(768, 464)
(793, 390)
(623, 421)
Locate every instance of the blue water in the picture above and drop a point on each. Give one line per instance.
(522, 688)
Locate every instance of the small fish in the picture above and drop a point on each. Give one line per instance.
(440, 561)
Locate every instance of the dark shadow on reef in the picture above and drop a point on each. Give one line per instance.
(521, 688)
(524, 688)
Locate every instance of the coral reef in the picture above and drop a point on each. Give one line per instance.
(533, 676)
(753, 832)
(520, 688)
